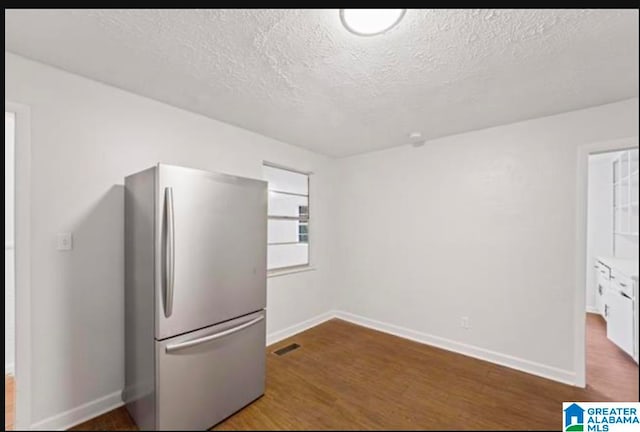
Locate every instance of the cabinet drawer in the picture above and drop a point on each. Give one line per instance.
(622, 283)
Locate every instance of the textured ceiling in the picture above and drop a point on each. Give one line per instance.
(299, 76)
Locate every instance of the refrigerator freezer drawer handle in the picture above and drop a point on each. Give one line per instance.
(187, 344)
(170, 252)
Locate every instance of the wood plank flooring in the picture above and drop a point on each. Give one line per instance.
(9, 402)
(610, 370)
(349, 377)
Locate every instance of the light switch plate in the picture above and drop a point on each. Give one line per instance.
(64, 241)
(464, 323)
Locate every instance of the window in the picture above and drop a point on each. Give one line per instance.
(288, 225)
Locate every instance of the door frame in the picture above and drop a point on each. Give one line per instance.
(22, 263)
(580, 313)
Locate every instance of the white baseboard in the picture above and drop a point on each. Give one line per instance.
(9, 369)
(68, 419)
(107, 403)
(592, 309)
(545, 371)
(102, 405)
(297, 328)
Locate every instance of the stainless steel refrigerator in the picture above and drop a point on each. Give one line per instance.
(195, 296)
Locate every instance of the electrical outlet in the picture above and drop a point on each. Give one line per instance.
(464, 323)
(64, 241)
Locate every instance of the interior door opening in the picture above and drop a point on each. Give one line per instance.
(612, 275)
(9, 270)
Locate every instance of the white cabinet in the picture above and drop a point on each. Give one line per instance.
(620, 326)
(617, 301)
(625, 194)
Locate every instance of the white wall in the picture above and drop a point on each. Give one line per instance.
(599, 217)
(9, 257)
(627, 246)
(481, 224)
(86, 137)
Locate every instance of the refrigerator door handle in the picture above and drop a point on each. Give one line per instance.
(193, 342)
(170, 252)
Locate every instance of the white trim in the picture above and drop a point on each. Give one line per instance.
(22, 263)
(593, 310)
(545, 371)
(297, 328)
(582, 167)
(107, 403)
(80, 414)
(539, 369)
(9, 368)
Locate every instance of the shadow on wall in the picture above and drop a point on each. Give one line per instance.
(95, 286)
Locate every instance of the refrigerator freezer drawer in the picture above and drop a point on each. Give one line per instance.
(207, 375)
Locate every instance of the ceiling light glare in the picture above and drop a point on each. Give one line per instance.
(370, 22)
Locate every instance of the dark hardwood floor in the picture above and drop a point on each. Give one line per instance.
(349, 377)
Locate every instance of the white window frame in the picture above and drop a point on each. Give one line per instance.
(298, 267)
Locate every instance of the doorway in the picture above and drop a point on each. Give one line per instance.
(611, 306)
(18, 210)
(9, 270)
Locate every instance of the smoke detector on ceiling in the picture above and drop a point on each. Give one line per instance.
(416, 139)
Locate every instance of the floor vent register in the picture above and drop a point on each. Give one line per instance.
(287, 349)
